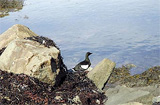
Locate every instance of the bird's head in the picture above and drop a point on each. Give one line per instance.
(88, 53)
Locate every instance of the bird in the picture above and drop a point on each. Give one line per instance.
(84, 65)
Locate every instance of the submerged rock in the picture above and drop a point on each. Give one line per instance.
(101, 73)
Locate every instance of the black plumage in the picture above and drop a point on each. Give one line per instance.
(84, 65)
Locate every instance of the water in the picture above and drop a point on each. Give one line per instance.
(125, 31)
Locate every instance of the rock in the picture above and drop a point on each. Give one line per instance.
(132, 103)
(156, 99)
(89, 69)
(101, 73)
(148, 77)
(129, 66)
(98, 102)
(119, 74)
(76, 99)
(33, 59)
(58, 98)
(16, 31)
(123, 94)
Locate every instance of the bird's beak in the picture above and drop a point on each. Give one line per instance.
(90, 53)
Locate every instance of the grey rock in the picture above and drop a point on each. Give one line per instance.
(101, 73)
(122, 95)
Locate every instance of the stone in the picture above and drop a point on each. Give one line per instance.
(132, 103)
(123, 94)
(129, 66)
(122, 75)
(76, 99)
(16, 31)
(58, 98)
(98, 102)
(101, 73)
(33, 59)
(156, 99)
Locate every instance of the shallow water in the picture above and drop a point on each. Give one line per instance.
(125, 31)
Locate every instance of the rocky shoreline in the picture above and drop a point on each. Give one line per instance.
(32, 72)
(7, 6)
(139, 89)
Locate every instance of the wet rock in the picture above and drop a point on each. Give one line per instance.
(16, 31)
(33, 59)
(101, 73)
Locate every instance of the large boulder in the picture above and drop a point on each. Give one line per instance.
(101, 73)
(22, 51)
(16, 31)
(31, 58)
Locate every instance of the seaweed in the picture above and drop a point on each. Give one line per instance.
(43, 40)
(23, 89)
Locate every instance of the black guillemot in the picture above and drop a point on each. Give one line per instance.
(84, 65)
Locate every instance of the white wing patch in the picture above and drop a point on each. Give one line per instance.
(84, 66)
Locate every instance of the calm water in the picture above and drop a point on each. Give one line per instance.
(125, 31)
